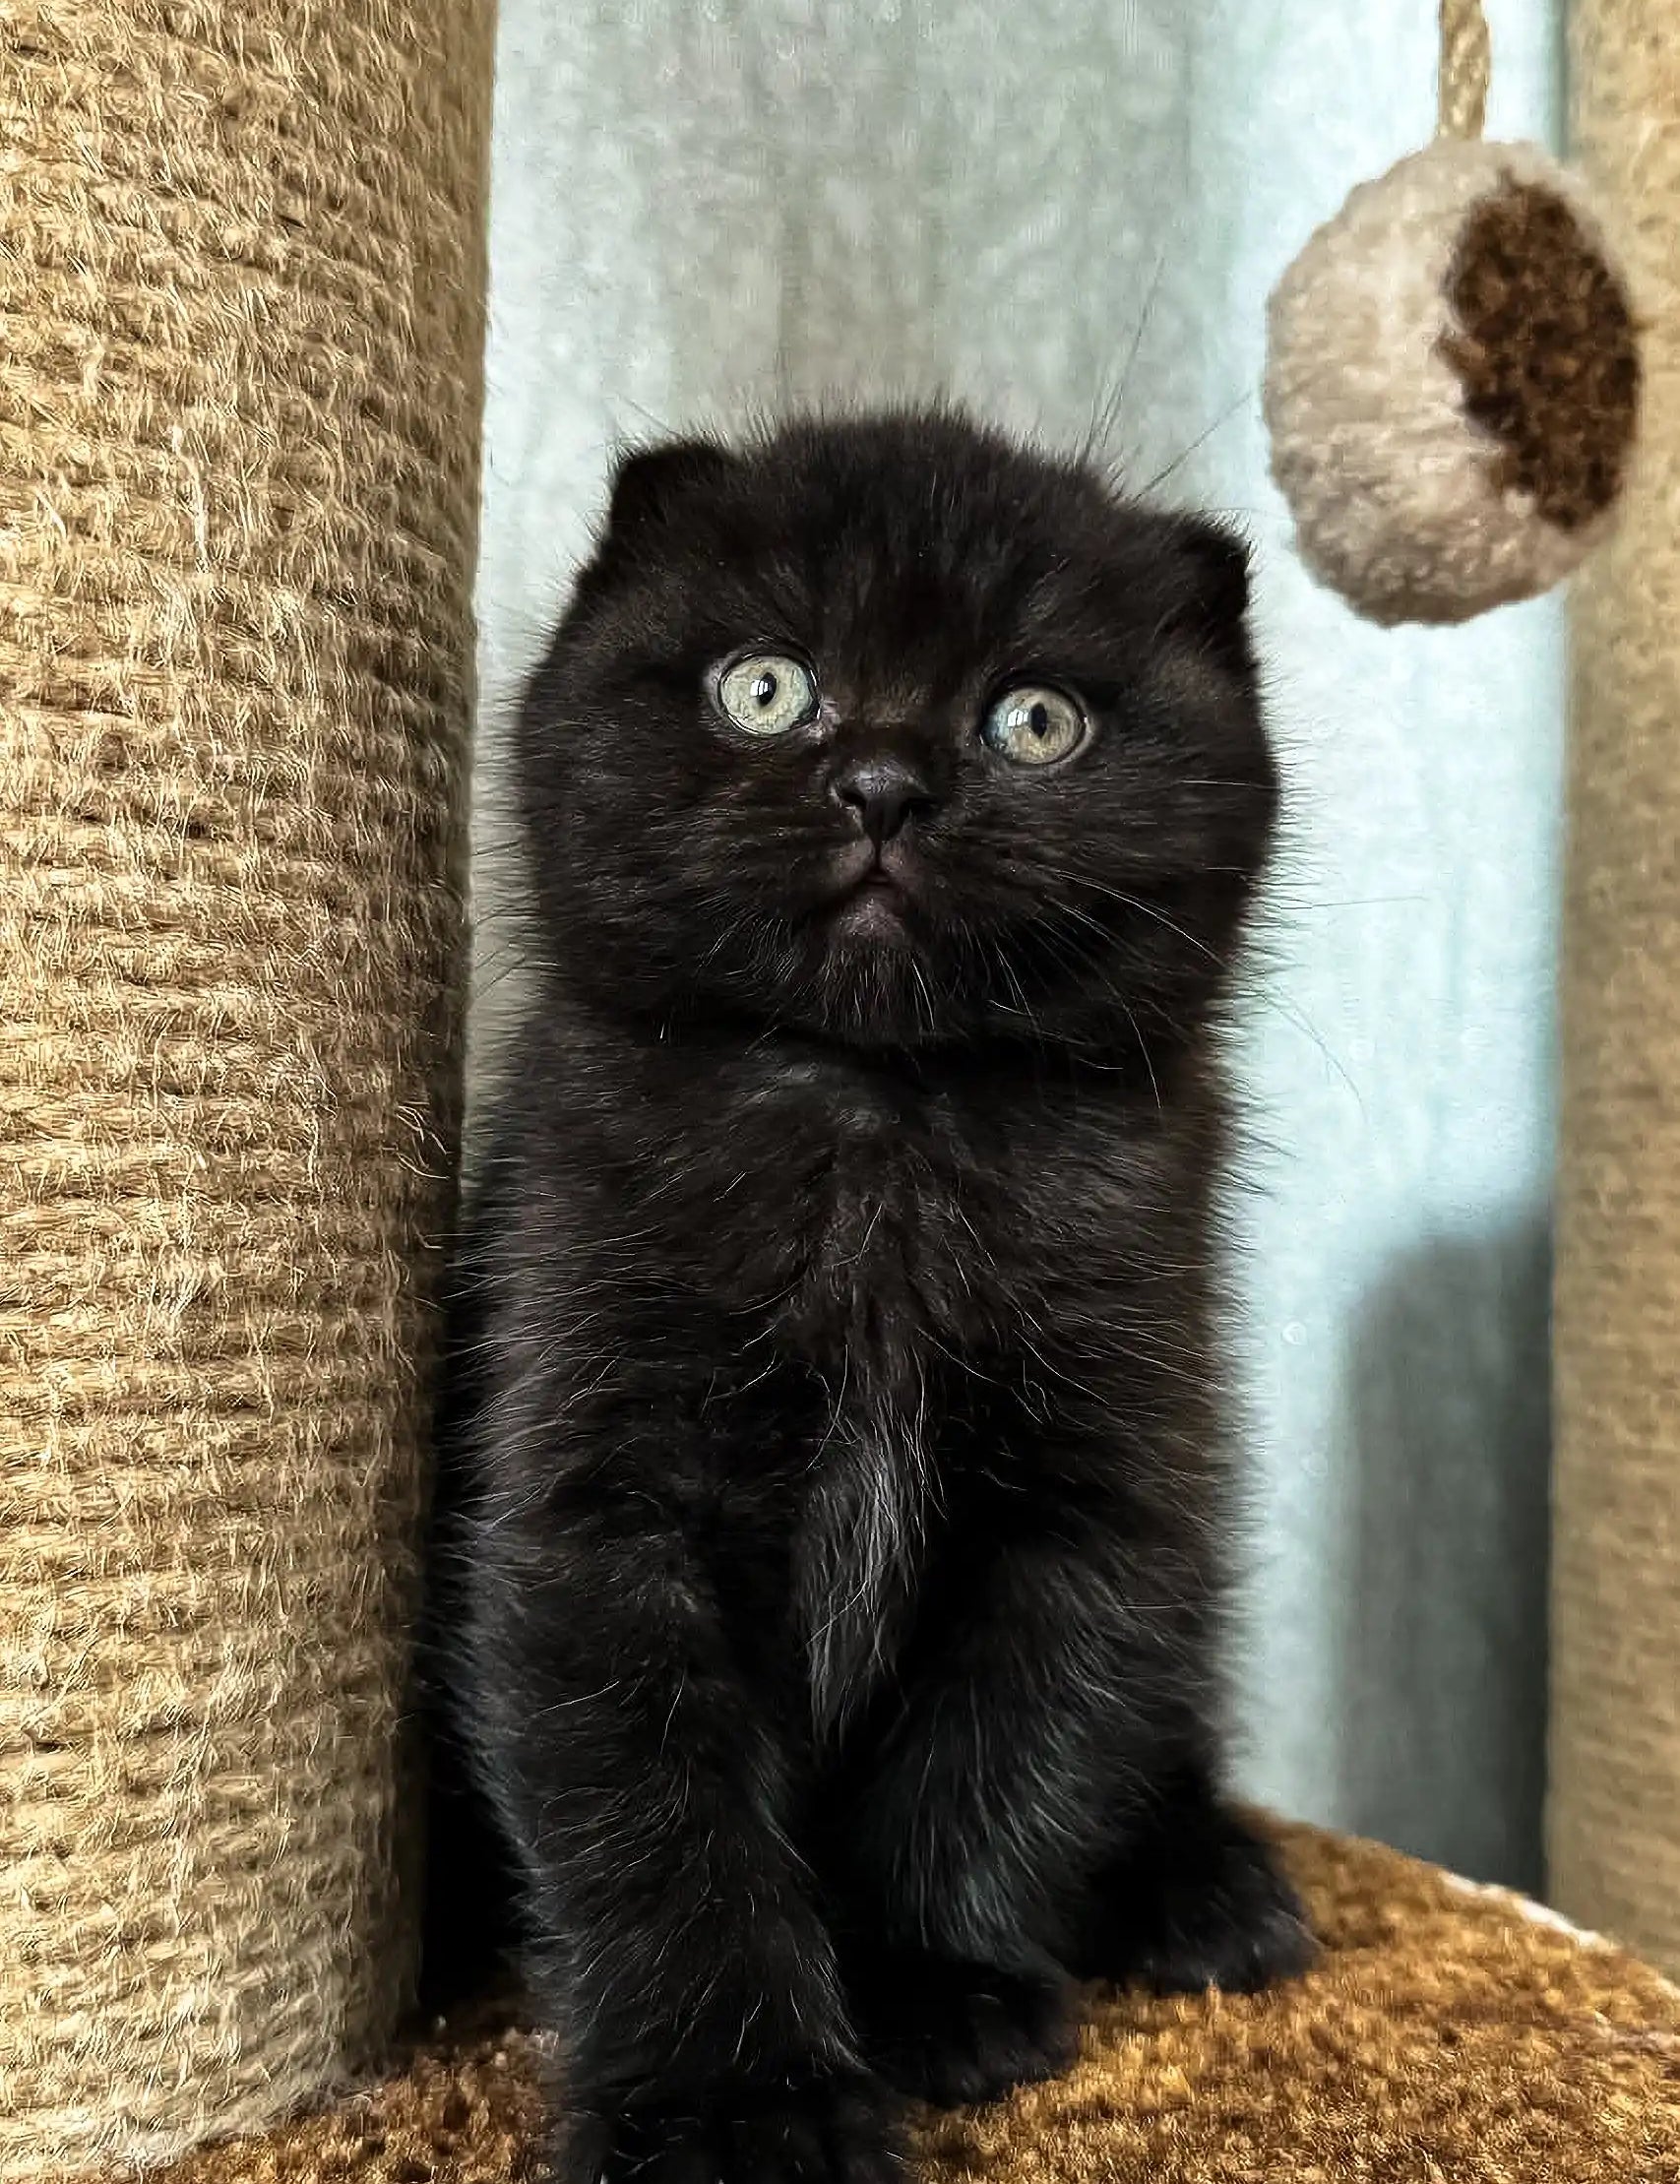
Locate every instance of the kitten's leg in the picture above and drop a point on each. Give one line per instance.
(984, 1809)
(992, 1815)
(1192, 1899)
(672, 1941)
(954, 2029)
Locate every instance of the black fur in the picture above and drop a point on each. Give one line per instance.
(837, 1419)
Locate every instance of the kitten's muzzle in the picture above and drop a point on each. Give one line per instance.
(884, 795)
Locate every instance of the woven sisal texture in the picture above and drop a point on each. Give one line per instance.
(240, 300)
(1614, 1825)
(1445, 2038)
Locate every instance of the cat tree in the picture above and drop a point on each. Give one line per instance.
(241, 298)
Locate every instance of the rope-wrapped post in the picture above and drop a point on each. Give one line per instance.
(1614, 1822)
(1466, 70)
(241, 289)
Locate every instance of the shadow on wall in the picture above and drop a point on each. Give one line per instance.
(1449, 1465)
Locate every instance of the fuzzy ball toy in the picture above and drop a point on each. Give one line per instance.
(1452, 376)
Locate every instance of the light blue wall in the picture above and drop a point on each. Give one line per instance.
(1055, 209)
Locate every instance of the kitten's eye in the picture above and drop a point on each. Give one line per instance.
(1033, 726)
(767, 694)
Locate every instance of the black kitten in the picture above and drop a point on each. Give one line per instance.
(839, 1426)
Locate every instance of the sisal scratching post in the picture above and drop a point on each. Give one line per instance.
(1614, 1822)
(241, 285)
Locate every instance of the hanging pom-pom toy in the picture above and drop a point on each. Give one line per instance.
(1452, 376)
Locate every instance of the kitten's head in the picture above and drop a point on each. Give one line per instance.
(892, 732)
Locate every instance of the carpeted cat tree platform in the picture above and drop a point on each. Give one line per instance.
(241, 296)
(1449, 2036)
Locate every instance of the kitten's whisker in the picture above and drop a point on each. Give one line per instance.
(1196, 446)
(1215, 780)
(660, 426)
(1105, 411)
(1137, 902)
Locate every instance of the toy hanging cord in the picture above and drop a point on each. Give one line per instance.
(1467, 65)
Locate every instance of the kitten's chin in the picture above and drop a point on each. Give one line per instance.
(872, 989)
(873, 914)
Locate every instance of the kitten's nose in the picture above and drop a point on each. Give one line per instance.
(884, 793)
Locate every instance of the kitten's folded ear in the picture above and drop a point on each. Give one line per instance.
(650, 483)
(1214, 605)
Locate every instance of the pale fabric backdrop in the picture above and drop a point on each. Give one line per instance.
(1074, 209)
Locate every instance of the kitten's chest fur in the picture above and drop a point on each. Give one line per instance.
(885, 1259)
(875, 1309)
(875, 1286)
(905, 1280)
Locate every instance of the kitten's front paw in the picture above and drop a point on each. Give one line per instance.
(1208, 1906)
(952, 2033)
(831, 2129)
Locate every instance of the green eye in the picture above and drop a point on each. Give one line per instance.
(1033, 726)
(767, 694)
